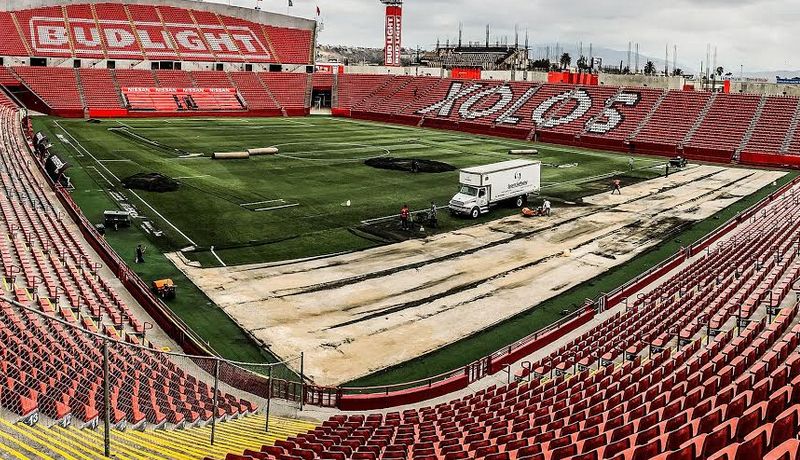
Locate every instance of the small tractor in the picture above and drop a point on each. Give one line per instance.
(164, 289)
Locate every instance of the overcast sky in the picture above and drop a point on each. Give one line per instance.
(759, 34)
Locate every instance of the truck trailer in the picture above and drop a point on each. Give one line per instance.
(483, 187)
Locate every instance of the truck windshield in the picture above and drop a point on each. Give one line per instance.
(471, 191)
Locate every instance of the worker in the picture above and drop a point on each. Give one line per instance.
(666, 172)
(616, 187)
(630, 163)
(140, 254)
(546, 207)
(404, 215)
(433, 220)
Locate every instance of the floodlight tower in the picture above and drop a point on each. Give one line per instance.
(394, 28)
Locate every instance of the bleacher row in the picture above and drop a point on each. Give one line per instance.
(135, 32)
(700, 125)
(646, 383)
(70, 91)
(50, 367)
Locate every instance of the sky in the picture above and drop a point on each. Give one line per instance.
(758, 35)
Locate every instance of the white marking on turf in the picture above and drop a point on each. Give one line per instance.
(101, 175)
(262, 202)
(298, 122)
(215, 255)
(192, 177)
(116, 161)
(118, 180)
(275, 208)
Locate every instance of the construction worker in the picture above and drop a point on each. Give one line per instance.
(630, 163)
(404, 215)
(546, 208)
(616, 187)
(433, 220)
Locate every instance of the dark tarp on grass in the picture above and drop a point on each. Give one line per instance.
(151, 182)
(409, 165)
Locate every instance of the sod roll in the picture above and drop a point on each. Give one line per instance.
(523, 152)
(230, 155)
(263, 151)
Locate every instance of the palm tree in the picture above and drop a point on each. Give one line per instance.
(720, 71)
(565, 60)
(650, 68)
(582, 63)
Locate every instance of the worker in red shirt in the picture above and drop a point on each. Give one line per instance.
(404, 215)
(616, 187)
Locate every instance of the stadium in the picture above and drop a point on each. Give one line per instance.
(216, 245)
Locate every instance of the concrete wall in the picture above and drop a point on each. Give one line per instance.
(263, 17)
(383, 70)
(518, 75)
(642, 80)
(499, 75)
(771, 89)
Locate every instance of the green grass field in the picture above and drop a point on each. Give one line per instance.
(319, 168)
(237, 205)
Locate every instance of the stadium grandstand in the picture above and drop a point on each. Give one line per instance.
(480, 57)
(694, 356)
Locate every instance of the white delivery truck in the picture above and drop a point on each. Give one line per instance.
(482, 187)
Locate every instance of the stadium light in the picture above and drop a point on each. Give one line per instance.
(393, 32)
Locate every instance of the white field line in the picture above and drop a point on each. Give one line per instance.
(298, 122)
(217, 257)
(262, 202)
(192, 177)
(101, 175)
(275, 208)
(118, 180)
(125, 125)
(116, 161)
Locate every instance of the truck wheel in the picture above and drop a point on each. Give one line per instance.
(475, 213)
(520, 201)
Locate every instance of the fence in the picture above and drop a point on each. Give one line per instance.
(87, 379)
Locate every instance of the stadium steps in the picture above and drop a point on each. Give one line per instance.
(269, 93)
(155, 78)
(699, 121)
(225, 27)
(96, 18)
(791, 133)
(309, 89)
(175, 47)
(750, 128)
(21, 34)
(27, 86)
(81, 94)
(202, 37)
(21, 441)
(69, 36)
(369, 97)
(138, 39)
(646, 120)
(117, 87)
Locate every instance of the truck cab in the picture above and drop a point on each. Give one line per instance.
(471, 200)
